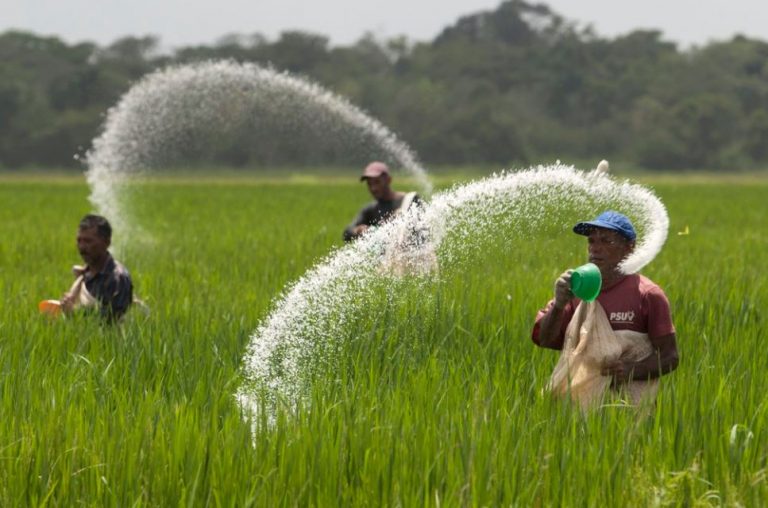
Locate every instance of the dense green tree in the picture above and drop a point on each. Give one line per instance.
(505, 86)
(756, 137)
(299, 52)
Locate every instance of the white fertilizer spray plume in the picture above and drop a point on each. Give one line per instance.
(186, 112)
(302, 334)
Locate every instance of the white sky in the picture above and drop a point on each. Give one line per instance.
(186, 22)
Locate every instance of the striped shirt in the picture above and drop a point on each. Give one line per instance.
(112, 288)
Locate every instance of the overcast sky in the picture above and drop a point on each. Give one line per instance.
(180, 22)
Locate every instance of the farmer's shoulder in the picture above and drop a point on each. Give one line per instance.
(646, 285)
(650, 291)
(120, 272)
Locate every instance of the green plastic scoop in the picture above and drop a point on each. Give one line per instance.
(586, 282)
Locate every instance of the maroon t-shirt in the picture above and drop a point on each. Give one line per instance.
(635, 303)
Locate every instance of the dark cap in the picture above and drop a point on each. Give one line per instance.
(374, 170)
(609, 220)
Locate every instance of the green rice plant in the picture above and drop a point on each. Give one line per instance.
(436, 397)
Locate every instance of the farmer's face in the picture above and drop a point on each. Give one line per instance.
(92, 247)
(607, 249)
(379, 186)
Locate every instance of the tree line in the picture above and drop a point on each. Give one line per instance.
(510, 86)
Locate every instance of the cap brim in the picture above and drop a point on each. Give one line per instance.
(365, 177)
(583, 228)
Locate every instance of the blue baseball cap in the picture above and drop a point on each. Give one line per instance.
(609, 220)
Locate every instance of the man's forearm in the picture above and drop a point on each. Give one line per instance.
(655, 365)
(550, 327)
(348, 234)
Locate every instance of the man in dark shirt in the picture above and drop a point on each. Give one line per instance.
(388, 201)
(102, 282)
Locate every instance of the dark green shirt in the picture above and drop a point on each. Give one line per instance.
(374, 214)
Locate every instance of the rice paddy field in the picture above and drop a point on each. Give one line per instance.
(436, 395)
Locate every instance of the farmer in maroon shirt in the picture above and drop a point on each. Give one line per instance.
(631, 302)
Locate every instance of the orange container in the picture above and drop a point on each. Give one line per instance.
(50, 307)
